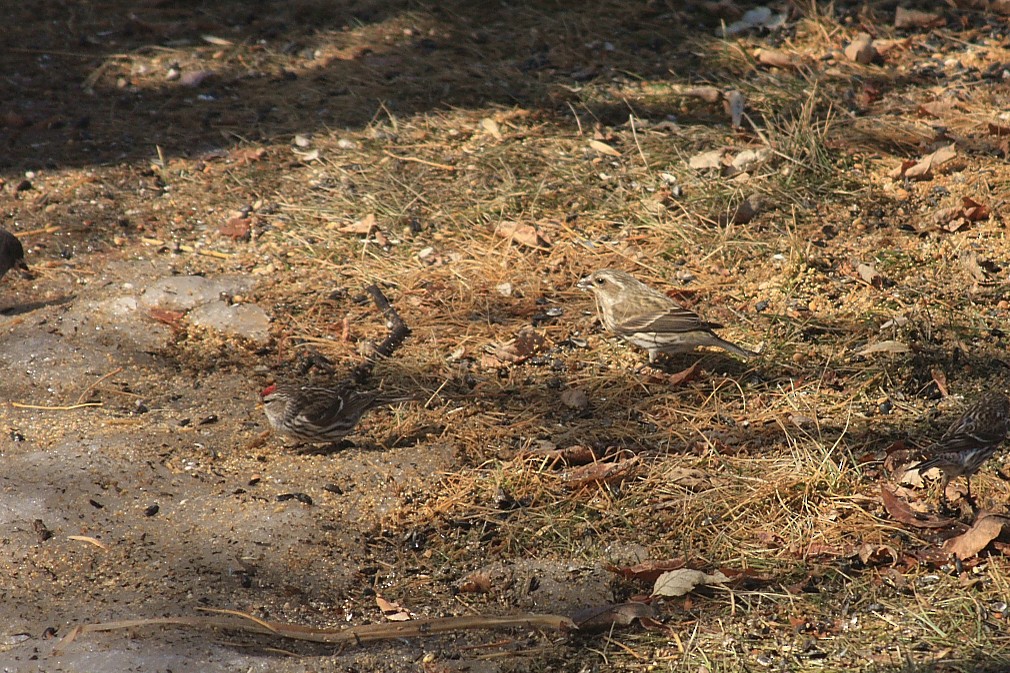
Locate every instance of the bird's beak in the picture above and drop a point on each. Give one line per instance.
(584, 284)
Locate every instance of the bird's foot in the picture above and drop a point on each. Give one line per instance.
(324, 449)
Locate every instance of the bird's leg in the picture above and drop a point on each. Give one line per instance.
(971, 500)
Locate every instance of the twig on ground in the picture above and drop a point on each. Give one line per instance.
(239, 621)
(398, 332)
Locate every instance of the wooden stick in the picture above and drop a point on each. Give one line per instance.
(444, 167)
(414, 628)
(398, 332)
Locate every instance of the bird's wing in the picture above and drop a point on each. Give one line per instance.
(668, 318)
(319, 406)
(973, 431)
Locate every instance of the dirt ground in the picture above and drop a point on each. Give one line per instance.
(475, 161)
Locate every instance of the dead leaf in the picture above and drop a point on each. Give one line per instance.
(709, 94)
(869, 275)
(705, 160)
(490, 127)
(575, 398)
(476, 583)
(247, 155)
(889, 346)
(307, 156)
(747, 160)
(735, 103)
(745, 212)
(601, 473)
(936, 108)
(999, 131)
(974, 211)
(675, 583)
(688, 477)
(940, 379)
(647, 571)
(237, 228)
(363, 226)
(913, 18)
(877, 554)
(529, 342)
(605, 617)
(861, 50)
(758, 17)
(577, 454)
(900, 511)
(684, 376)
(215, 40)
(526, 344)
(604, 148)
(923, 169)
(391, 611)
(776, 58)
(975, 539)
(523, 234)
(170, 318)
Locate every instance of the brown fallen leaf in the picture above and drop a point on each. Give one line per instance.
(776, 58)
(490, 127)
(914, 18)
(526, 344)
(889, 346)
(476, 583)
(601, 473)
(237, 228)
(923, 169)
(170, 318)
(391, 611)
(975, 539)
(999, 131)
(363, 226)
(900, 511)
(936, 108)
(602, 618)
(575, 398)
(861, 50)
(709, 94)
(523, 234)
(940, 379)
(577, 454)
(647, 571)
(869, 275)
(675, 583)
(706, 160)
(603, 148)
(973, 210)
(247, 155)
(684, 376)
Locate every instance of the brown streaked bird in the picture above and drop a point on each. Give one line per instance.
(649, 319)
(318, 414)
(12, 254)
(970, 441)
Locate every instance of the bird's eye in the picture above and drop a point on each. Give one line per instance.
(600, 281)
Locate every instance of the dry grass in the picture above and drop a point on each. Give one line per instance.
(771, 466)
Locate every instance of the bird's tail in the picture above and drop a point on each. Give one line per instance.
(732, 348)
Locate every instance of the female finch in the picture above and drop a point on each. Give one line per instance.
(318, 414)
(970, 441)
(649, 319)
